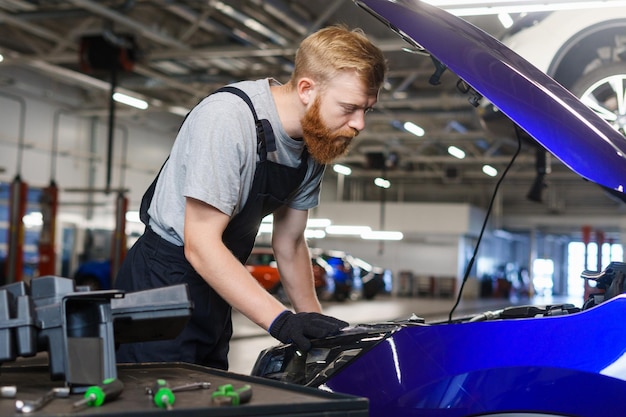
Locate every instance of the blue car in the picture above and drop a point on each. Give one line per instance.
(339, 273)
(95, 274)
(559, 360)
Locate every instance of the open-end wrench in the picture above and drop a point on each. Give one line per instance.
(192, 386)
(26, 407)
(187, 387)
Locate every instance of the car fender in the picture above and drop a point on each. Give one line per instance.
(559, 32)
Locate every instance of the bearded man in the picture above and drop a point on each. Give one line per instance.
(250, 149)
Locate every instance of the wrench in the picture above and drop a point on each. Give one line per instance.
(30, 406)
(187, 387)
(192, 386)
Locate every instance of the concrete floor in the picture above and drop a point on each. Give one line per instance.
(249, 339)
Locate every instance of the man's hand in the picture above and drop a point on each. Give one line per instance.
(299, 328)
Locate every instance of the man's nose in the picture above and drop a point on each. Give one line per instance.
(357, 121)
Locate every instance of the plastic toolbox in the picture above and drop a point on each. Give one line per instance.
(79, 329)
(269, 398)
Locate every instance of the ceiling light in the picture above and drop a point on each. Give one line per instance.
(413, 128)
(314, 234)
(505, 19)
(342, 169)
(318, 223)
(382, 235)
(382, 183)
(489, 170)
(456, 152)
(477, 8)
(33, 219)
(130, 101)
(347, 230)
(1, 58)
(133, 216)
(179, 110)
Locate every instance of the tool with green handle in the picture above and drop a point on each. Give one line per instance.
(162, 394)
(226, 395)
(96, 395)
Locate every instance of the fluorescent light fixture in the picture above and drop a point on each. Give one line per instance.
(413, 128)
(314, 234)
(133, 216)
(179, 110)
(456, 152)
(478, 8)
(382, 183)
(382, 235)
(489, 170)
(130, 101)
(318, 223)
(33, 219)
(342, 169)
(347, 230)
(505, 19)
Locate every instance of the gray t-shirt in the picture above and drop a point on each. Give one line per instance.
(214, 159)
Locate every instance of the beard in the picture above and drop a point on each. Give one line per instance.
(323, 144)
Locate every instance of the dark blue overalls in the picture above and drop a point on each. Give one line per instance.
(154, 262)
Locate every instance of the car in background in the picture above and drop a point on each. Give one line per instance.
(340, 273)
(584, 50)
(263, 267)
(351, 277)
(95, 274)
(372, 280)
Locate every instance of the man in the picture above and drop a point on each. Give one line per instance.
(254, 148)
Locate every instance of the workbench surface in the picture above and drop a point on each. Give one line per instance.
(269, 398)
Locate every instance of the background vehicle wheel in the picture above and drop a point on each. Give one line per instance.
(604, 91)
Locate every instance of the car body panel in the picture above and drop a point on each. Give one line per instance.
(560, 364)
(543, 108)
(548, 362)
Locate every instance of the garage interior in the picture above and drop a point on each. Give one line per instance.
(61, 61)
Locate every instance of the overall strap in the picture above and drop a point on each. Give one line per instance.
(266, 142)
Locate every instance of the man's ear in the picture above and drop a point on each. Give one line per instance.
(306, 90)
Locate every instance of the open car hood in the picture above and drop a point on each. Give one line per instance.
(549, 113)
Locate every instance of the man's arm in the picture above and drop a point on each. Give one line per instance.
(293, 258)
(205, 250)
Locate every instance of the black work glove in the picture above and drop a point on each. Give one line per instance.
(299, 328)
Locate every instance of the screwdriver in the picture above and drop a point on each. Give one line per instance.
(96, 395)
(163, 396)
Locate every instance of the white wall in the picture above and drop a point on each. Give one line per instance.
(82, 146)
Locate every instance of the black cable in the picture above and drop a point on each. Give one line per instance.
(482, 229)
